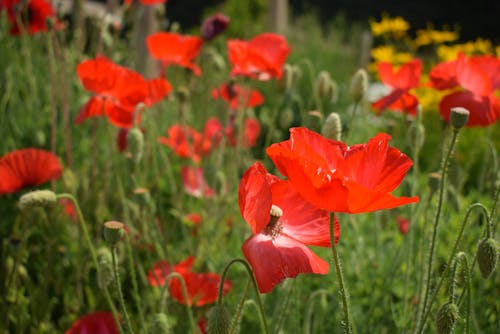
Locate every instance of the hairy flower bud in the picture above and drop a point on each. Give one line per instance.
(359, 85)
(37, 198)
(459, 117)
(135, 142)
(218, 320)
(323, 84)
(105, 270)
(332, 128)
(446, 318)
(158, 324)
(487, 256)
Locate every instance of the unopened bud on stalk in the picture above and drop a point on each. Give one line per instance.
(446, 318)
(218, 320)
(105, 270)
(487, 256)
(459, 117)
(158, 324)
(323, 84)
(288, 78)
(434, 181)
(359, 85)
(37, 198)
(332, 128)
(113, 232)
(135, 142)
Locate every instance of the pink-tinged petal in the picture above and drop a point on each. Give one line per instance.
(255, 198)
(274, 260)
(472, 77)
(484, 110)
(300, 219)
(491, 66)
(444, 75)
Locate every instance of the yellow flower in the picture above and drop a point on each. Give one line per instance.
(396, 26)
(387, 53)
(432, 36)
(478, 47)
(497, 51)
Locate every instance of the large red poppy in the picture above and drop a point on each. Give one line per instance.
(171, 48)
(237, 96)
(339, 178)
(95, 323)
(478, 77)
(260, 58)
(27, 167)
(202, 288)
(33, 15)
(118, 91)
(277, 250)
(400, 81)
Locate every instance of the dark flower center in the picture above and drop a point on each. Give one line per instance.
(274, 227)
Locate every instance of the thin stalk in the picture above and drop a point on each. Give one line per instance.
(135, 288)
(128, 327)
(426, 311)
(310, 309)
(340, 277)
(444, 171)
(185, 295)
(256, 289)
(239, 310)
(461, 257)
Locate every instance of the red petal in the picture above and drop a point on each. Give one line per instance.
(274, 260)
(444, 75)
(255, 198)
(408, 75)
(491, 66)
(98, 75)
(472, 77)
(194, 182)
(483, 110)
(96, 323)
(158, 89)
(252, 131)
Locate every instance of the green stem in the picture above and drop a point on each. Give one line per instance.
(426, 310)
(256, 289)
(461, 257)
(310, 309)
(128, 327)
(444, 171)
(135, 287)
(340, 277)
(170, 277)
(239, 310)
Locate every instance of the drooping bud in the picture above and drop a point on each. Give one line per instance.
(219, 320)
(37, 198)
(332, 128)
(159, 324)
(487, 256)
(113, 232)
(446, 318)
(105, 270)
(459, 117)
(359, 85)
(135, 143)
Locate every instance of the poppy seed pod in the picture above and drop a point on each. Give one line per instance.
(37, 198)
(359, 85)
(218, 320)
(446, 318)
(159, 324)
(113, 232)
(105, 272)
(487, 256)
(459, 117)
(332, 128)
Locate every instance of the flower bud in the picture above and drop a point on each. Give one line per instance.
(487, 256)
(288, 78)
(105, 270)
(459, 117)
(323, 84)
(332, 128)
(214, 26)
(113, 232)
(286, 118)
(359, 85)
(37, 198)
(446, 318)
(159, 324)
(434, 181)
(218, 320)
(135, 143)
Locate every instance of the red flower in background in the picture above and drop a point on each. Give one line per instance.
(69, 208)
(260, 58)
(202, 288)
(171, 48)
(95, 323)
(401, 81)
(213, 26)
(404, 225)
(237, 96)
(251, 132)
(194, 182)
(118, 90)
(339, 178)
(27, 167)
(479, 77)
(277, 249)
(32, 13)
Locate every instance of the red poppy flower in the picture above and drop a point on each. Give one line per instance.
(213, 26)
(479, 77)
(401, 81)
(277, 249)
(339, 178)
(404, 225)
(27, 167)
(118, 90)
(69, 208)
(32, 13)
(171, 48)
(194, 182)
(95, 323)
(251, 132)
(260, 58)
(237, 96)
(186, 142)
(202, 288)
(193, 218)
